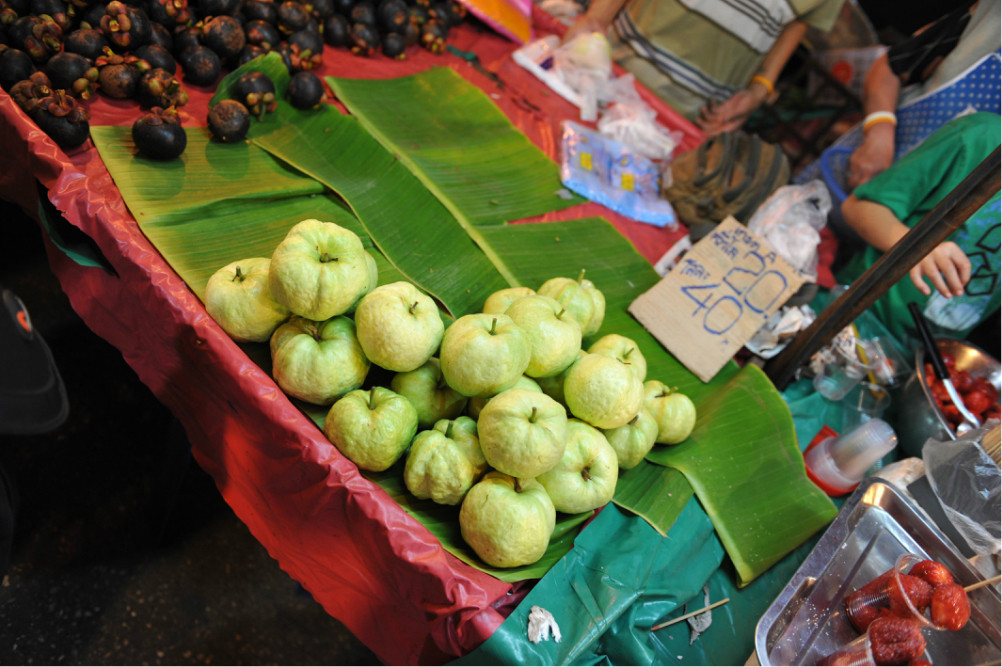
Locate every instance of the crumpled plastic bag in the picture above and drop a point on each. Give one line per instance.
(791, 220)
(966, 481)
(632, 122)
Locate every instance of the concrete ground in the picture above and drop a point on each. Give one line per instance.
(124, 553)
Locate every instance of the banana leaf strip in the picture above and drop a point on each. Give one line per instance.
(456, 140)
(743, 462)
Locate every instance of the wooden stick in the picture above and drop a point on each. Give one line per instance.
(982, 584)
(690, 614)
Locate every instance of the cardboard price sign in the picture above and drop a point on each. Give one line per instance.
(717, 296)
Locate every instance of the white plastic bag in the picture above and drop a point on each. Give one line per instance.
(790, 221)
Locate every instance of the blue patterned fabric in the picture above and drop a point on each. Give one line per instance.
(978, 89)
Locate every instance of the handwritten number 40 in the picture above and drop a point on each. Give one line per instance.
(723, 312)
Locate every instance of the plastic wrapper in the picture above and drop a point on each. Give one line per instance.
(791, 220)
(966, 481)
(608, 172)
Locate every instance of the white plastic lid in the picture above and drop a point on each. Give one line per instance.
(841, 462)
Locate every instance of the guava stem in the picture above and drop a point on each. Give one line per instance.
(413, 308)
(372, 399)
(532, 415)
(561, 313)
(585, 474)
(238, 275)
(494, 326)
(581, 276)
(325, 257)
(448, 429)
(518, 486)
(635, 418)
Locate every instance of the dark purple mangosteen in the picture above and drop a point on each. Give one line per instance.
(169, 13)
(393, 45)
(229, 121)
(224, 35)
(337, 31)
(263, 34)
(64, 119)
(118, 75)
(15, 65)
(38, 36)
(207, 8)
(343, 7)
(125, 27)
(186, 37)
(320, 10)
(27, 92)
(74, 73)
(160, 88)
(260, 10)
(255, 91)
(365, 40)
(249, 53)
(292, 16)
(364, 12)
(306, 91)
(434, 34)
(392, 16)
(158, 57)
(56, 9)
(201, 65)
(158, 134)
(87, 42)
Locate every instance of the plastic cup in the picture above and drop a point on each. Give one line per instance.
(855, 652)
(840, 463)
(864, 402)
(889, 591)
(839, 376)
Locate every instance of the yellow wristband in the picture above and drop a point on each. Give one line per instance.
(758, 78)
(879, 117)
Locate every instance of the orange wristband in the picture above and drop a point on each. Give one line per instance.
(758, 78)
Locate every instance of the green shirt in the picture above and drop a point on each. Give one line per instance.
(911, 188)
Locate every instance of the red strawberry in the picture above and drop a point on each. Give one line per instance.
(895, 641)
(934, 573)
(950, 606)
(918, 592)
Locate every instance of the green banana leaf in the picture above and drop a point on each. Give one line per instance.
(435, 116)
(743, 462)
(201, 227)
(409, 225)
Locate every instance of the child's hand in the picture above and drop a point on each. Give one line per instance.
(947, 267)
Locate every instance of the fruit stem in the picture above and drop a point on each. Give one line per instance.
(413, 308)
(494, 326)
(372, 399)
(325, 257)
(448, 428)
(585, 474)
(581, 276)
(532, 415)
(518, 486)
(238, 276)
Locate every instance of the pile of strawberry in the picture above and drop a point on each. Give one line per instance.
(893, 609)
(978, 394)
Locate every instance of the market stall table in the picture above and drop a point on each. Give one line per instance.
(326, 524)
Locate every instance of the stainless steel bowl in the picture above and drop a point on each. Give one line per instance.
(918, 417)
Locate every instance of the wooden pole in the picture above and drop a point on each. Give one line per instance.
(962, 202)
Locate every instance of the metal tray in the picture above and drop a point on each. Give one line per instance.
(877, 524)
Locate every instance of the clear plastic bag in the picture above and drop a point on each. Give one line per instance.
(966, 481)
(790, 221)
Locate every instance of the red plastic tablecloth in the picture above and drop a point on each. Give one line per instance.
(352, 547)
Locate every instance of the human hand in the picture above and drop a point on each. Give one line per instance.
(947, 267)
(717, 118)
(873, 156)
(582, 26)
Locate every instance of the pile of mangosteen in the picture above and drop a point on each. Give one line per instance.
(56, 54)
